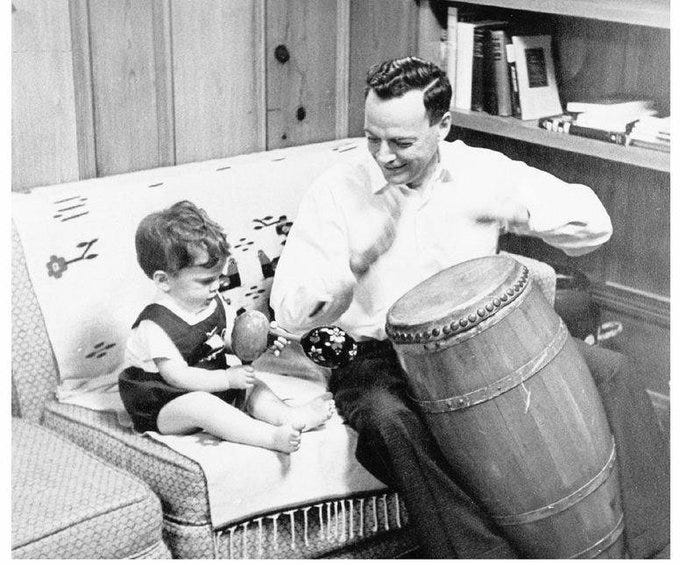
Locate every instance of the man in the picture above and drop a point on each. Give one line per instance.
(370, 230)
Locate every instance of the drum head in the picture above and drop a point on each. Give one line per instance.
(481, 285)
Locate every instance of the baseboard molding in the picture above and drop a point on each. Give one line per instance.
(662, 407)
(647, 306)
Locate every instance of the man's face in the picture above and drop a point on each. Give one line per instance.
(401, 139)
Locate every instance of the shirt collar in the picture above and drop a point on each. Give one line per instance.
(377, 180)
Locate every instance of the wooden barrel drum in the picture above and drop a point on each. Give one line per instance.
(513, 407)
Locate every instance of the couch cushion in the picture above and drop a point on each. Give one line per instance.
(68, 504)
(293, 529)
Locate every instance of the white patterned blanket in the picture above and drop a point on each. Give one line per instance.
(78, 240)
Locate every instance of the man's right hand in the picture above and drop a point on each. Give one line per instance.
(378, 237)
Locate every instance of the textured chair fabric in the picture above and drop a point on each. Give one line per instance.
(68, 504)
(34, 372)
(365, 524)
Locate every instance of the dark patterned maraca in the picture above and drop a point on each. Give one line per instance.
(329, 346)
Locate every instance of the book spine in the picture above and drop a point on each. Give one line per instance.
(617, 137)
(500, 73)
(554, 123)
(512, 67)
(477, 96)
(452, 50)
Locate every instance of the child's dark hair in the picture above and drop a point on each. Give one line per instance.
(395, 78)
(171, 239)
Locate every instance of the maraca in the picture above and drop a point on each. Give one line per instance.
(328, 346)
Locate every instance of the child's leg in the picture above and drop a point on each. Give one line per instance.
(263, 404)
(202, 410)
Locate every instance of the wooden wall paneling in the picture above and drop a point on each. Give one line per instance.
(218, 71)
(82, 85)
(342, 54)
(602, 58)
(301, 92)
(123, 78)
(380, 30)
(165, 104)
(44, 138)
(638, 255)
(430, 30)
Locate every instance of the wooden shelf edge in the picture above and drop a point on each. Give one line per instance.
(652, 13)
(530, 132)
(634, 302)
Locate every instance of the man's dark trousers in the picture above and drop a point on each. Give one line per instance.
(396, 446)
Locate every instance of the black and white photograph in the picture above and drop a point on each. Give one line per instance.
(339, 279)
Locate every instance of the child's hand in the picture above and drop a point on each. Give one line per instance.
(241, 376)
(276, 342)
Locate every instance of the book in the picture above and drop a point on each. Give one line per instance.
(499, 91)
(538, 95)
(557, 122)
(512, 68)
(566, 123)
(666, 147)
(464, 60)
(619, 122)
(617, 104)
(451, 49)
(618, 137)
(481, 64)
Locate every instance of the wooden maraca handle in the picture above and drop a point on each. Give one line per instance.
(275, 329)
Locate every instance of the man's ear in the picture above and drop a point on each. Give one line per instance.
(162, 280)
(444, 126)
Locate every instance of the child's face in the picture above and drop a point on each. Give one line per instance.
(195, 287)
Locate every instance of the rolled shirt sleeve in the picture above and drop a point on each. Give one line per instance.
(567, 216)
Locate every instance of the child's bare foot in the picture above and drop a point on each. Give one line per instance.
(286, 437)
(315, 412)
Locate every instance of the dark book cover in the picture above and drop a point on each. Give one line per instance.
(499, 88)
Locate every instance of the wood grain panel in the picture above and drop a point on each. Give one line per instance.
(380, 30)
(123, 78)
(82, 85)
(602, 58)
(218, 78)
(301, 93)
(44, 144)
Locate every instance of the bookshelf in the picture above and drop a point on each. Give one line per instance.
(528, 130)
(637, 18)
(654, 13)
(600, 47)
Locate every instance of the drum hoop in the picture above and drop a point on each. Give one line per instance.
(502, 385)
(605, 543)
(467, 321)
(563, 503)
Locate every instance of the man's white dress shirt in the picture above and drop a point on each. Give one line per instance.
(435, 230)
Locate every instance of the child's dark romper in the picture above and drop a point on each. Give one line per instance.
(144, 394)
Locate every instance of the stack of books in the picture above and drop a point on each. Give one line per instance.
(652, 133)
(608, 119)
(496, 72)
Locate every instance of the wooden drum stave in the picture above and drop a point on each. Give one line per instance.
(513, 407)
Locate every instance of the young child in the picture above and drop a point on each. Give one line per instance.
(177, 380)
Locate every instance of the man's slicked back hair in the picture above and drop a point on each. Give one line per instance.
(396, 77)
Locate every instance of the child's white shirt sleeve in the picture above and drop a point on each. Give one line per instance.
(148, 342)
